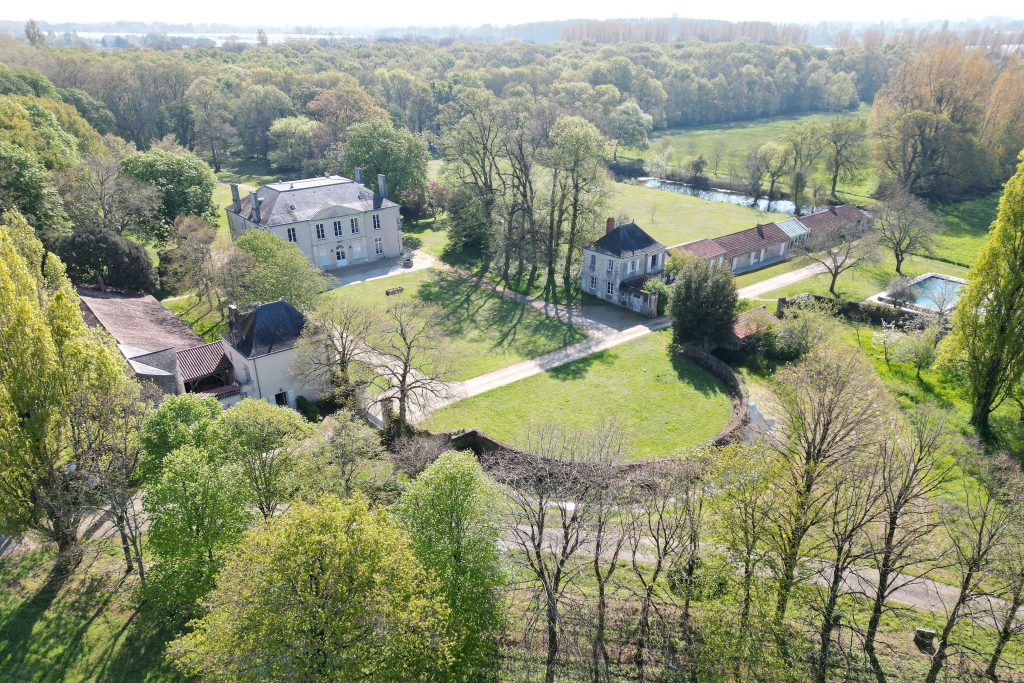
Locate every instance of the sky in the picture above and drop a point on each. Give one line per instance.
(382, 13)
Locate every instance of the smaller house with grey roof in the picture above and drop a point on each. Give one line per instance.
(616, 266)
(335, 221)
(254, 359)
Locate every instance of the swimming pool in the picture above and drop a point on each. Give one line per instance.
(933, 291)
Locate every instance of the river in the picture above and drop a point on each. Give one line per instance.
(727, 196)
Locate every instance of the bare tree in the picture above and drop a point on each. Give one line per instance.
(850, 508)
(409, 363)
(549, 518)
(1008, 570)
(743, 519)
(608, 534)
(754, 168)
(944, 298)
(113, 439)
(717, 153)
(912, 467)
(841, 249)
(334, 338)
(830, 408)
(976, 531)
(905, 225)
(845, 149)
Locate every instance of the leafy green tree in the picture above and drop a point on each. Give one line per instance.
(196, 513)
(986, 347)
(257, 438)
(184, 181)
(92, 110)
(258, 106)
(25, 187)
(344, 443)
(919, 348)
(629, 126)
(57, 379)
(34, 34)
(703, 303)
(845, 151)
(291, 141)
(278, 270)
(211, 114)
(180, 421)
(377, 146)
(325, 592)
(449, 512)
(96, 253)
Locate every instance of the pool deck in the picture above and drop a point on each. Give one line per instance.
(877, 298)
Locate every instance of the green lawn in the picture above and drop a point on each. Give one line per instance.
(739, 138)
(673, 218)
(84, 628)
(666, 405)
(483, 331)
(966, 228)
(860, 283)
(425, 236)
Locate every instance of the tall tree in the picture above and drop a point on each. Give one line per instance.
(985, 346)
(629, 125)
(211, 113)
(839, 249)
(56, 377)
(256, 108)
(703, 303)
(183, 180)
(450, 513)
(325, 592)
(96, 254)
(179, 421)
(845, 151)
(806, 143)
(277, 270)
(378, 147)
(830, 406)
(291, 141)
(333, 339)
(905, 226)
(258, 438)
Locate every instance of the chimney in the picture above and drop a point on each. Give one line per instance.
(359, 175)
(610, 225)
(760, 230)
(256, 201)
(382, 185)
(232, 318)
(236, 201)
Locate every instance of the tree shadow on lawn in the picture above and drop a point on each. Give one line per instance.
(972, 218)
(469, 309)
(578, 369)
(695, 376)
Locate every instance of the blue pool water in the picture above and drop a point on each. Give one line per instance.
(936, 287)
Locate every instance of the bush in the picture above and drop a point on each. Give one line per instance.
(93, 253)
(703, 303)
(656, 285)
(804, 326)
(307, 409)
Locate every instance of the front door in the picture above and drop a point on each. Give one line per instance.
(339, 257)
(281, 398)
(357, 251)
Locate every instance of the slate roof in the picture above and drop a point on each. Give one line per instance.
(268, 328)
(834, 217)
(626, 240)
(751, 239)
(301, 200)
(792, 227)
(705, 249)
(135, 320)
(202, 361)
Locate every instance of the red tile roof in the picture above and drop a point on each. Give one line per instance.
(751, 239)
(705, 249)
(202, 361)
(744, 326)
(834, 217)
(136, 320)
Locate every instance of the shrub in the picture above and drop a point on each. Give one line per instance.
(307, 409)
(661, 289)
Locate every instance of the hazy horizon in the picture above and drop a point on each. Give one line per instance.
(403, 13)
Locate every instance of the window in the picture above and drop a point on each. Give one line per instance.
(782, 249)
(593, 283)
(354, 222)
(611, 265)
(593, 261)
(378, 246)
(610, 287)
(337, 228)
(376, 221)
(654, 261)
(632, 266)
(291, 235)
(733, 266)
(320, 234)
(753, 257)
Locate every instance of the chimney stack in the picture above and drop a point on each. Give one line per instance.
(359, 175)
(236, 201)
(256, 201)
(610, 225)
(232, 317)
(382, 185)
